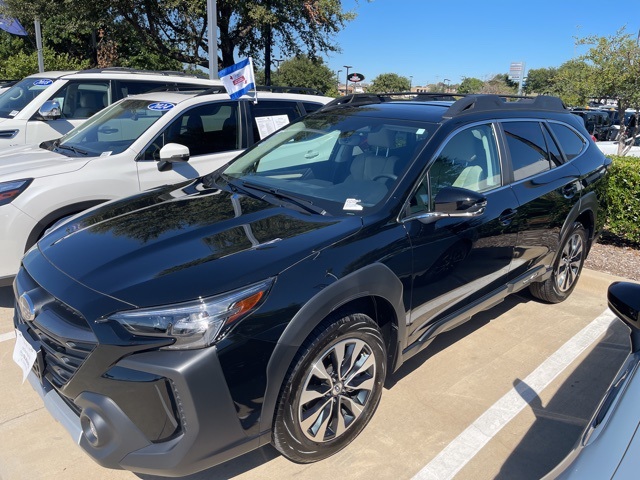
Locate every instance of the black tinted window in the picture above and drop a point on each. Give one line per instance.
(571, 143)
(311, 107)
(269, 115)
(554, 151)
(528, 149)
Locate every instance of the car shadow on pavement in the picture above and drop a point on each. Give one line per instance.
(446, 339)
(561, 420)
(229, 469)
(6, 297)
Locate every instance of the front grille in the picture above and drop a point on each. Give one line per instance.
(64, 336)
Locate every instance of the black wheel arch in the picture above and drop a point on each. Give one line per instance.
(373, 290)
(56, 215)
(586, 213)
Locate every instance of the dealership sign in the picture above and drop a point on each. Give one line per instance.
(356, 77)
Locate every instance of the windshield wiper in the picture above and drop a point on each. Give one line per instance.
(287, 197)
(75, 150)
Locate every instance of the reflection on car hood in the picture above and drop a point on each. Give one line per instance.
(32, 162)
(182, 242)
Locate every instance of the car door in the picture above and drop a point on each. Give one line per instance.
(79, 100)
(211, 131)
(458, 261)
(546, 187)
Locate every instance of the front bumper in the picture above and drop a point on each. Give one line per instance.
(209, 432)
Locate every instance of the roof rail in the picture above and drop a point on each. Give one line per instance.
(483, 103)
(140, 71)
(371, 98)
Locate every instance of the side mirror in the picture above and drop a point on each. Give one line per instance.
(459, 202)
(624, 301)
(50, 110)
(173, 153)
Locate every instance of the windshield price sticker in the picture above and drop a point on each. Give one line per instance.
(161, 106)
(24, 355)
(352, 204)
(14, 113)
(43, 82)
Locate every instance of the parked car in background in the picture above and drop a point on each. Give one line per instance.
(47, 105)
(6, 84)
(269, 300)
(137, 143)
(610, 445)
(597, 122)
(611, 147)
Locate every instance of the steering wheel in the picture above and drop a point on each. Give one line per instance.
(385, 175)
(19, 95)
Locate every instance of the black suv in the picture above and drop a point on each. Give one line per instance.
(268, 301)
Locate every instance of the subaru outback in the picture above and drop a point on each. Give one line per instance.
(268, 301)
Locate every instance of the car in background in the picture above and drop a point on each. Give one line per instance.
(45, 106)
(137, 143)
(597, 122)
(611, 147)
(610, 445)
(6, 84)
(269, 300)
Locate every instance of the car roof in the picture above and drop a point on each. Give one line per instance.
(179, 97)
(438, 108)
(127, 73)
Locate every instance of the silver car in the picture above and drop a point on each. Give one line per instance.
(609, 446)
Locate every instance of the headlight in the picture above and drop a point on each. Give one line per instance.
(10, 190)
(194, 324)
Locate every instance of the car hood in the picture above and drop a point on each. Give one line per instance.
(32, 161)
(178, 243)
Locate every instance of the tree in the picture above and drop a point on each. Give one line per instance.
(303, 71)
(389, 82)
(24, 64)
(500, 85)
(614, 72)
(470, 85)
(541, 81)
(571, 82)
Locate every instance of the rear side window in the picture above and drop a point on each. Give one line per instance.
(268, 116)
(528, 149)
(571, 143)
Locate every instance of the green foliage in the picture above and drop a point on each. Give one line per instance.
(500, 85)
(389, 82)
(623, 198)
(23, 64)
(470, 85)
(541, 81)
(303, 71)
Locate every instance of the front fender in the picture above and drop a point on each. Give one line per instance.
(375, 280)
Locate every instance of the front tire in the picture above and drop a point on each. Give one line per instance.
(332, 389)
(566, 268)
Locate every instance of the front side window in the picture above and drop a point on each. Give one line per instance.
(528, 149)
(82, 99)
(205, 129)
(469, 160)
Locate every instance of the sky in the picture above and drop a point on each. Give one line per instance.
(436, 40)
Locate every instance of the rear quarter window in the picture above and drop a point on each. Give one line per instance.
(571, 143)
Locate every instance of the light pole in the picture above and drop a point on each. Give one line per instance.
(278, 60)
(338, 79)
(346, 83)
(410, 82)
(446, 85)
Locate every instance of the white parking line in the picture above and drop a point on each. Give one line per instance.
(466, 445)
(7, 336)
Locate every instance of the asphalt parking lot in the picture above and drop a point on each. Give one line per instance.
(504, 396)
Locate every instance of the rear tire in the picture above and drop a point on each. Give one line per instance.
(332, 389)
(566, 268)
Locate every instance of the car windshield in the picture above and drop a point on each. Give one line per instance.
(112, 130)
(20, 95)
(341, 162)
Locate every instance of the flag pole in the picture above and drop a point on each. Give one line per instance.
(255, 87)
(36, 25)
(213, 38)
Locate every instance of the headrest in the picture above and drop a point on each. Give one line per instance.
(383, 138)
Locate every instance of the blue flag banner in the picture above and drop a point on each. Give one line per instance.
(11, 25)
(238, 79)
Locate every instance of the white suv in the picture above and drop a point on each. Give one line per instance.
(137, 143)
(47, 105)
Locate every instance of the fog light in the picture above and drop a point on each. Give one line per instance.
(94, 428)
